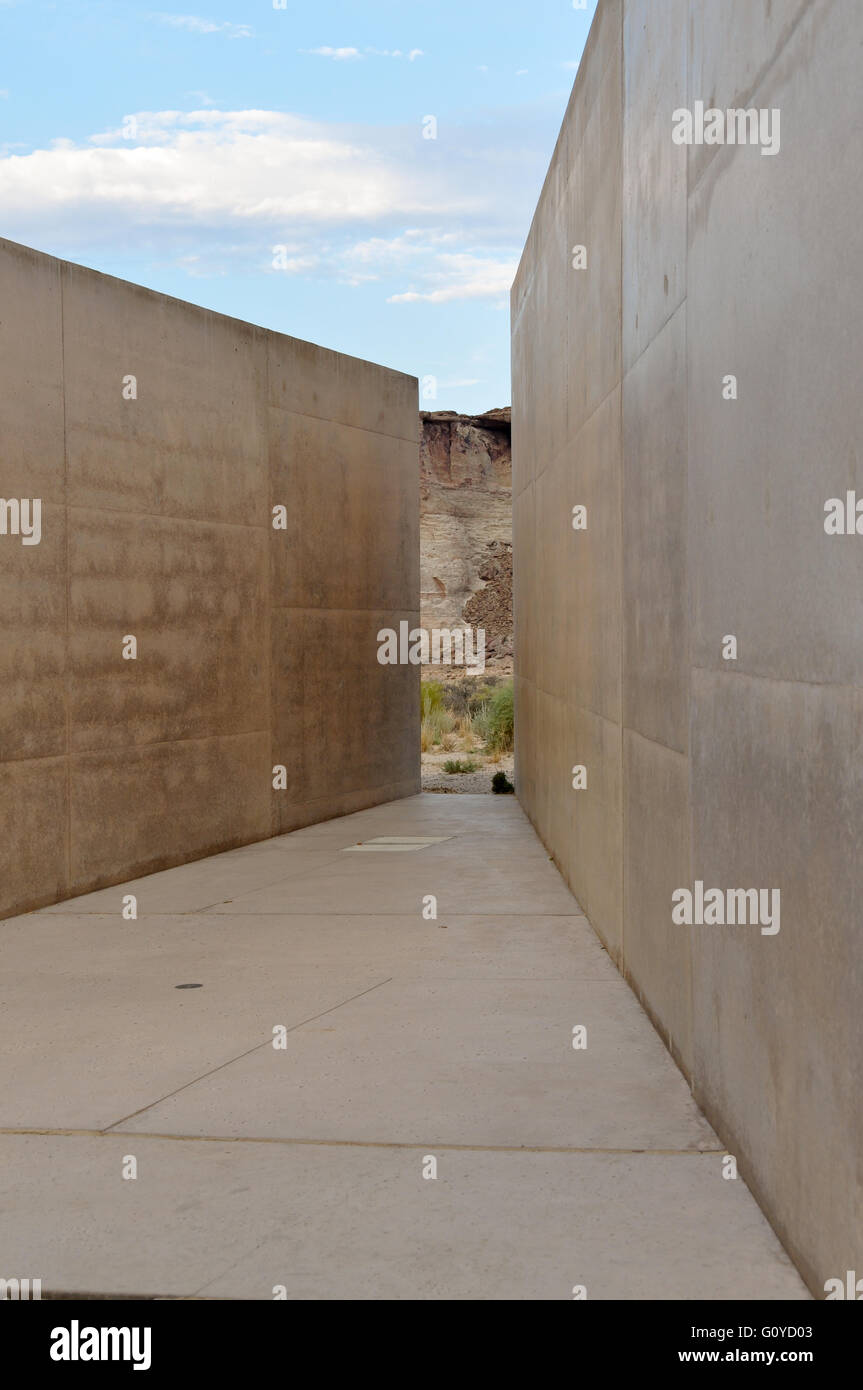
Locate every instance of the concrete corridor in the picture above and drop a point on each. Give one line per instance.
(407, 1038)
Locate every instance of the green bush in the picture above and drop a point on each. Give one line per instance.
(497, 720)
(456, 765)
(431, 698)
(501, 784)
(464, 695)
(479, 698)
(436, 727)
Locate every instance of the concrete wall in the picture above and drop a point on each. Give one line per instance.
(256, 646)
(706, 518)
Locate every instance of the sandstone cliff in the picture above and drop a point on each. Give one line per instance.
(466, 526)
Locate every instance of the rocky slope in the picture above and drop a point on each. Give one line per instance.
(466, 527)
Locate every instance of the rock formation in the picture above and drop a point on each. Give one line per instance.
(466, 527)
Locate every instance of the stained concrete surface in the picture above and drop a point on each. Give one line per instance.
(705, 518)
(406, 1038)
(257, 647)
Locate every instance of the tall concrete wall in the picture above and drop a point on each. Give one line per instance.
(256, 647)
(705, 519)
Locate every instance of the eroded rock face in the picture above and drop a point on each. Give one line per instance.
(466, 526)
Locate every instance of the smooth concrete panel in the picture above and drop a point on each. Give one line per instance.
(576, 306)
(34, 833)
(595, 334)
(784, 232)
(778, 1023)
(654, 170)
(145, 808)
(654, 543)
(31, 370)
(526, 753)
(170, 1037)
(591, 149)
(554, 273)
(713, 261)
(33, 640)
(546, 767)
(593, 209)
(362, 487)
(324, 667)
(357, 1224)
(468, 883)
(297, 816)
(484, 947)
(524, 348)
(551, 741)
(469, 1061)
(526, 558)
(593, 626)
(553, 561)
(561, 800)
(596, 877)
(312, 380)
(656, 863)
(193, 443)
(602, 51)
(455, 1034)
(191, 595)
(733, 47)
(196, 886)
(157, 524)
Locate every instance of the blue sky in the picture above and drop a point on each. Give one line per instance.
(180, 148)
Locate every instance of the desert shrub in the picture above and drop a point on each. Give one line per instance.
(462, 695)
(466, 731)
(435, 727)
(480, 696)
(431, 697)
(501, 784)
(455, 697)
(497, 720)
(457, 765)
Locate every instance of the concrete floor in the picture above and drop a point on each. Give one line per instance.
(406, 1038)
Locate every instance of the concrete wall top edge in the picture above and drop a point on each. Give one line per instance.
(14, 248)
(582, 76)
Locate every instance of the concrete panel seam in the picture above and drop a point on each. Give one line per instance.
(747, 98)
(268, 1042)
(344, 424)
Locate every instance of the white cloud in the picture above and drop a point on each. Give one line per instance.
(297, 265)
(234, 167)
(428, 256)
(462, 275)
(396, 53)
(195, 25)
(342, 55)
(431, 258)
(208, 190)
(339, 55)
